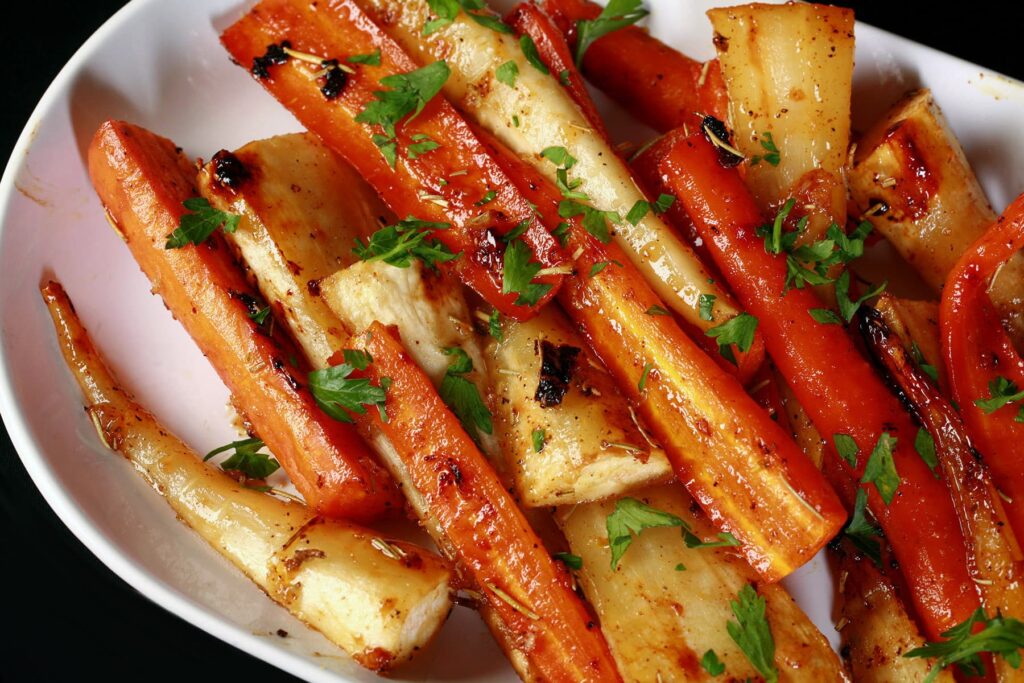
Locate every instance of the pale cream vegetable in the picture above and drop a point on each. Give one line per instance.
(378, 599)
(536, 114)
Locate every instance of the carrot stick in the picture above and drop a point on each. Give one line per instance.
(526, 18)
(832, 381)
(143, 181)
(546, 624)
(737, 463)
(979, 354)
(455, 183)
(658, 85)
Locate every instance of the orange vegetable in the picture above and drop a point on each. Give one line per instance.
(143, 181)
(832, 381)
(655, 83)
(550, 634)
(448, 184)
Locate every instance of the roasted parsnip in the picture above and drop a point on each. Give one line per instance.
(302, 208)
(910, 178)
(568, 433)
(667, 604)
(143, 182)
(379, 600)
(788, 70)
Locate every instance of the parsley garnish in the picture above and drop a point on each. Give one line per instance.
(657, 310)
(680, 567)
(638, 212)
(848, 308)
(408, 95)
(847, 448)
(461, 395)
(569, 560)
(706, 303)
(881, 468)
(739, 331)
(751, 633)
(826, 316)
(861, 532)
(202, 221)
(642, 384)
(507, 73)
(1003, 636)
(487, 198)
(725, 540)
(629, 519)
(563, 77)
(259, 317)
(246, 459)
(538, 437)
(494, 325)
(370, 58)
(771, 154)
(445, 12)
(518, 274)
(663, 203)
(1001, 392)
(532, 55)
(598, 267)
(930, 370)
(559, 156)
(594, 221)
(337, 394)
(712, 664)
(421, 144)
(399, 244)
(616, 15)
(924, 444)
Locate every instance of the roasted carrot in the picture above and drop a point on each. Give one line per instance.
(545, 628)
(833, 382)
(737, 463)
(143, 181)
(526, 18)
(981, 360)
(993, 555)
(440, 172)
(655, 83)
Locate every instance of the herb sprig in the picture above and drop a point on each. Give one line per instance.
(617, 14)
(201, 221)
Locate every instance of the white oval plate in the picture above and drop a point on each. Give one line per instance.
(159, 64)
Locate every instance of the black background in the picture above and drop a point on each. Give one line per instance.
(63, 615)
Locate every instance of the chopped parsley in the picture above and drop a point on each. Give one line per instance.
(712, 664)
(569, 560)
(657, 310)
(539, 436)
(706, 306)
(663, 203)
(532, 55)
(642, 384)
(638, 212)
(771, 152)
(201, 221)
(507, 73)
(369, 59)
(725, 540)
(629, 519)
(847, 448)
(518, 274)
(462, 396)
(487, 198)
(862, 533)
(616, 15)
(259, 317)
(752, 634)
(246, 459)
(421, 144)
(964, 644)
(922, 362)
(924, 444)
(847, 307)
(401, 243)
(494, 325)
(1001, 392)
(445, 11)
(881, 468)
(594, 221)
(739, 331)
(563, 77)
(338, 394)
(825, 316)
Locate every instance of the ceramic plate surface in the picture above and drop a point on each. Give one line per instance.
(158, 63)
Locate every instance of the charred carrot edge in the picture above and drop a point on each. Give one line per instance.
(481, 523)
(993, 555)
(449, 184)
(143, 181)
(526, 18)
(658, 85)
(833, 382)
(737, 463)
(978, 350)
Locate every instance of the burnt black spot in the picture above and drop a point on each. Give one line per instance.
(229, 170)
(558, 363)
(279, 366)
(713, 128)
(314, 287)
(335, 80)
(252, 305)
(274, 55)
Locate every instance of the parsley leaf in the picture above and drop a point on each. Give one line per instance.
(532, 55)
(663, 203)
(825, 316)
(751, 633)
(507, 73)
(642, 384)
(638, 212)
(616, 15)
(260, 316)
(847, 448)
(370, 59)
(712, 664)
(848, 308)
(421, 145)
(1001, 392)
(881, 468)
(494, 325)
(706, 303)
(487, 199)
(559, 156)
(246, 459)
(538, 437)
(1000, 635)
(569, 560)
(773, 235)
(444, 12)
(771, 155)
(739, 331)
(725, 540)
(629, 519)
(461, 395)
(918, 355)
(657, 310)
(336, 393)
(360, 360)
(598, 267)
(202, 221)
(594, 221)
(564, 77)
(399, 244)
(518, 274)
(924, 444)
(862, 533)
